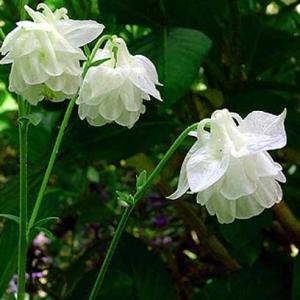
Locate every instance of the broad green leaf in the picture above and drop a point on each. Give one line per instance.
(113, 142)
(296, 279)
(263, 281)
(245, 237)
(178, 54)
(8, 257)
(135, 274)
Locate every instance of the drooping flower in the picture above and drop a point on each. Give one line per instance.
(45, 54)
(114, 91)
(229, 167)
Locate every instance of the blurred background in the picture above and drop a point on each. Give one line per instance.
(242, 55)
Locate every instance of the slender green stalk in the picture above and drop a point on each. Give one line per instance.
(22, 3)
(126, 214)
(2, 34)
(94, 52)
(53, 156)
(59, 138)
(22, 245)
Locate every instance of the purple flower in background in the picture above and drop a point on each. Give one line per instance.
(160, 221)
(37, 275)
(40, 240)
(13, 288)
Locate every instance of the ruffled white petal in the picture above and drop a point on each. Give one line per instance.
(237, 183)
(205, 167)
(112, 91)
(45, 54)
(264, 131)
(229, 169)
(80, 33)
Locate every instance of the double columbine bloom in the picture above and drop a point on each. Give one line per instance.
(115, 90)
(229, 167)
(45, 54)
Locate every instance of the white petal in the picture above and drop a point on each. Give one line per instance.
(104, 80)
(264, 131)
(183, 184)
(28, 25)
(80, 33)
(131, 97)
(140, 79)
(268, 193)
(206, 166)
(128, 118)
(111, 108)
(247, 207)
(8, 41)
(99, 121)
(280, 177)
(33, 94)
(236, 182)
(225, 210)
(149, 66)
(30, 69)
(265, 165)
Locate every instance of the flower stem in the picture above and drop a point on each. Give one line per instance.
(22, 3)
(23, 151)
(59, 138)
(123, 221)
(53, 156)
(2, 34)
(22, 244)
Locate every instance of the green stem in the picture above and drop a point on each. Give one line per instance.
(94, 52)
(138, 195)
(23, 144)
(59, 138)
(53, 156)
(22, 3)
(2, 34)
(22, 244)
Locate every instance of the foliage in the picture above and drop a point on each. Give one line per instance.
(243, 55)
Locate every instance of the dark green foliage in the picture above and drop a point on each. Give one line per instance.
(209, 55)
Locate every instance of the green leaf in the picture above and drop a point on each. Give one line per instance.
(10, 217)
(178, 54)
(46, 231)
(141, 180)
(44, 221)
(245, 237)
(135, 273)
(99, 62)
(268, 281)
(8, 257)
(87, 51)
(125, 198)
(97, 143)
(296, 279)
(93, 175)
(34, 118)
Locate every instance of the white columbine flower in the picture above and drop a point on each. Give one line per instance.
(229, 167)
(45, 54)
(114, 91)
